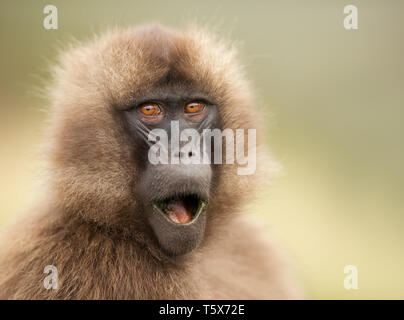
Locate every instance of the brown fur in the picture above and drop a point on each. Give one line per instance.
(90, 225)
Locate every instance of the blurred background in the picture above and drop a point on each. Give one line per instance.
(336, 99)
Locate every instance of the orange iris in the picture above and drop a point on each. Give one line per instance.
(150, 109)
(194, 107)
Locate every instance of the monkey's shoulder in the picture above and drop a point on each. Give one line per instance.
(249, 264)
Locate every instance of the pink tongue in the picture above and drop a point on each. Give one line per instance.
(176, 212)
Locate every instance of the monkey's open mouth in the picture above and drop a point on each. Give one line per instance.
(180, 209)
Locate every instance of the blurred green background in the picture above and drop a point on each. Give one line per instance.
(337, 103)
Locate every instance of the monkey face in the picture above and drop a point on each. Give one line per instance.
(110, 98)
(175, 192)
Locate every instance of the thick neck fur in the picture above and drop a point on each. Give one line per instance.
(95, 262)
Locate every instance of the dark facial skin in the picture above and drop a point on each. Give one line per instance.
(161, 182)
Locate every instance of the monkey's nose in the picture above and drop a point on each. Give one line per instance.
(184, 155)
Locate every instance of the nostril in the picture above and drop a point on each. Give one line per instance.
(179, 154)
(182, 154)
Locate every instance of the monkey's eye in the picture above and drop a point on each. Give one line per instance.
(194, 107)
(150, 109)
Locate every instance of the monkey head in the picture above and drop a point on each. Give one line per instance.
(109, 97)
